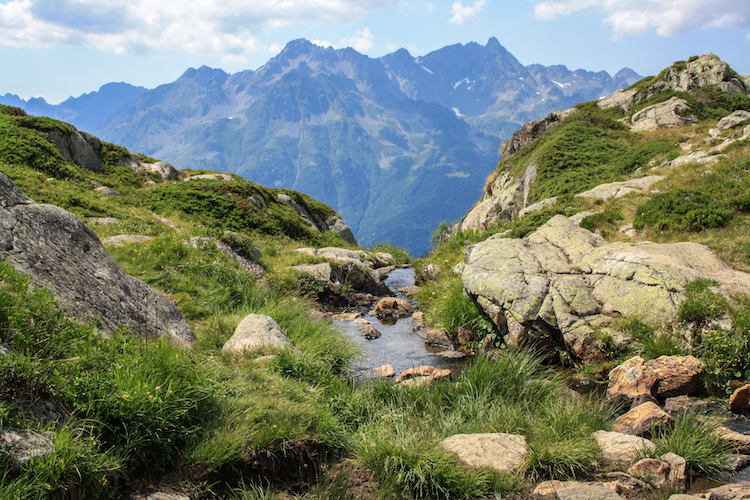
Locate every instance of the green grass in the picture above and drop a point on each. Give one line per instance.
(399, 429)
(697, 440)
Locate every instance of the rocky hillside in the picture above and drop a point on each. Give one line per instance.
(578, 195)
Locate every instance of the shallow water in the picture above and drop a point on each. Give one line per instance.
(398, 345)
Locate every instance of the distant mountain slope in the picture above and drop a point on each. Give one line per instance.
(374, 138)
(395, 144)
(86, 112)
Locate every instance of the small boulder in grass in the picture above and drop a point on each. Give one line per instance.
(740, 399)
(256, 331)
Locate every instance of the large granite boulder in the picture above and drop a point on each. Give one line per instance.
(59, 252)
(562, 284)
(669, 113)
(705, 70)
(316, 223)
(78, 147)
(506, 196)
(739, 117)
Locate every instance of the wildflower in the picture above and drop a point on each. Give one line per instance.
(157, 388)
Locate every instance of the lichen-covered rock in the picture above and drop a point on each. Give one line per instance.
(507, 196)
(59, 252)
(256, 331)
(562, 283)
(707, 69)
(502, 452)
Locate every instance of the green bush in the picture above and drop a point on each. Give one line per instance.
(684, 210)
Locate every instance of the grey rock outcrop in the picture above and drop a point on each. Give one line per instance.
(166, 171)
(337, 225)
(78, 147)
(620, 189)
(256, 331)
(707, 69)
(334, 223)
(535, 129)
(507, 195)
(737, 118)
(669, 113)
(21, 445)
(562, 283)
(622, 98)
(59, 252)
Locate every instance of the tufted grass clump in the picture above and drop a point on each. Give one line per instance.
(446, 305)
(697, 440)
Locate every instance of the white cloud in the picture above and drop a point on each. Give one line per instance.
(363, 42)
(463, 14)
(667, 17)
(226, 28)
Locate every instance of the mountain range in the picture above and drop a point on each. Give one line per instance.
(394, 144)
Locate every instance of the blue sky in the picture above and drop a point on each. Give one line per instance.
(62, 48)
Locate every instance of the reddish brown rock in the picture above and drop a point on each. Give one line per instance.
(369, 332)
(642, 419)
(423, 371)
(465, 336)
(676, 375)
(629, 381)
(439, 337)
(652, 471)
(740, 399)
(391, 307)
(418, 320)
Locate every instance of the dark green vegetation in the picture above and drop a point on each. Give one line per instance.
(583, 151)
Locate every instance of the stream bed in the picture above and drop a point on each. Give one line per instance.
(398, 344)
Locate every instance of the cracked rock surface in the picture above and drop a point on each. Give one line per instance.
(562, 283)
(59, 252)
